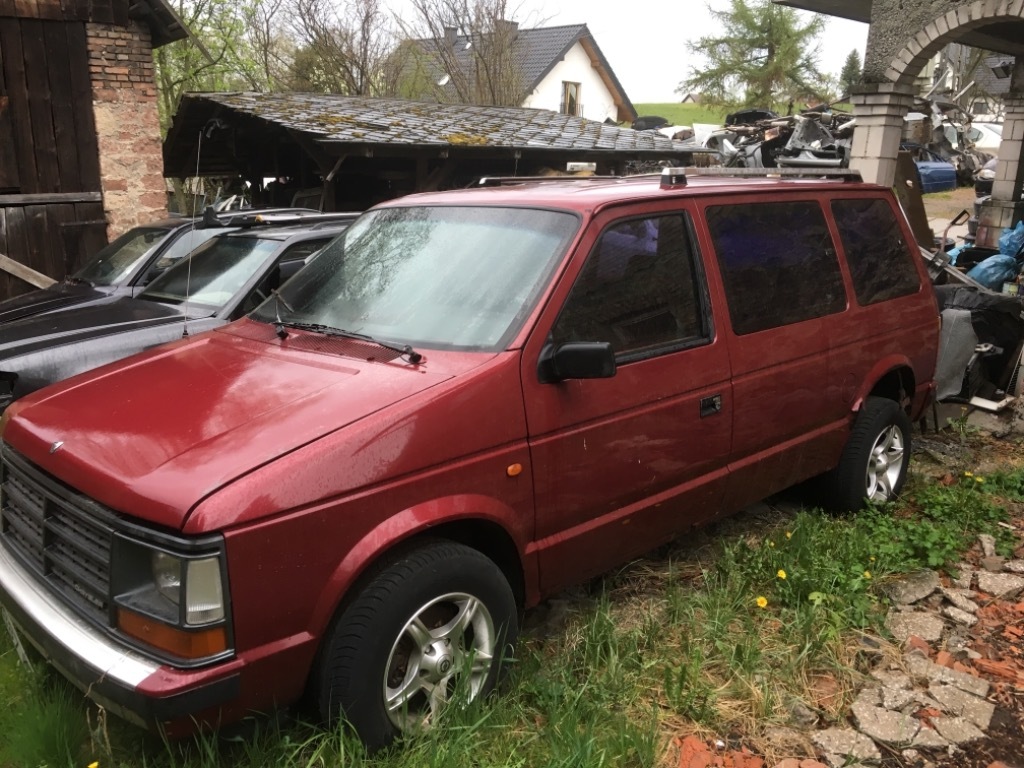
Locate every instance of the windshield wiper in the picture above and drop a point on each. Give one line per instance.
(75, 280)
(404, 350)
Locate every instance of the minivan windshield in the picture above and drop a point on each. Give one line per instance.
(457, 277)
(215, 272)
(115, 262)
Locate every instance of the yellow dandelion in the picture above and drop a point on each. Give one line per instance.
(762, 602)
(872, 558)
(789, 534)
(94, 764)
(979, 479)
(781, 574)
(771, 544)
(968, 474)
(867, 574)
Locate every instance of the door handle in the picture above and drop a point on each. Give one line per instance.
(710, 405)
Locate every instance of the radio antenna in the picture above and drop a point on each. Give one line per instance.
(188, 256)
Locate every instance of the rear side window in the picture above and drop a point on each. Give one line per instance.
(881, 264)
(639, 290)
(778, 263)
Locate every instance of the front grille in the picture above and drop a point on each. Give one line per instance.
(60, 535)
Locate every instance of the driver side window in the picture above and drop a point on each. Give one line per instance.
(640, 290)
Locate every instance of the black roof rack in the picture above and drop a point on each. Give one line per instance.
(269, 216)
(846, 174)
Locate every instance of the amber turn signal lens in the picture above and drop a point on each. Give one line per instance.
(514, 470)
(185, 645)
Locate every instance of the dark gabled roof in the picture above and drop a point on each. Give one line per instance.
(165, 26)
(537, 51)
(357, 120)
(164, 23)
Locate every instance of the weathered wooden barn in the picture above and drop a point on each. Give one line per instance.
(79, 130)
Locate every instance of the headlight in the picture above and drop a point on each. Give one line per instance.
(173, 601)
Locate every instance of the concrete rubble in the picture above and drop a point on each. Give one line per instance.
(926, 702)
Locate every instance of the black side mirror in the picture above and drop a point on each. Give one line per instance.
(961, 217)
(576, 360)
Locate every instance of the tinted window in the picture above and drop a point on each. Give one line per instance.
(881, 264)
(778, 263)
(637, 290)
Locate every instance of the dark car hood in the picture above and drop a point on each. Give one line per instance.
(83, 323)
(58, 297)
(154, 435)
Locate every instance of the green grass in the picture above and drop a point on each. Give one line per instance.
(723, 635)
(683, 114)
(688, 114)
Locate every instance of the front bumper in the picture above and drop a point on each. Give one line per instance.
(115, 677)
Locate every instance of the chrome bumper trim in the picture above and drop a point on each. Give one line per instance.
(78, 638)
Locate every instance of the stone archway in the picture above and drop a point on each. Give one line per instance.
(896, 58)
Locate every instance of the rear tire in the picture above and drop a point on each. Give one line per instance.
(874, 463)
(434, 622)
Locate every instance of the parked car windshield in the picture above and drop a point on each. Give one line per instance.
(187, 240)
(215, 272)
(115, 262)
(443, 277)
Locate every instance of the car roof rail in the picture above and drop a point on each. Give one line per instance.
(502, 181)
(276, 216)
(845, 174)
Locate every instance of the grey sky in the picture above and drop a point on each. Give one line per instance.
(645, 42)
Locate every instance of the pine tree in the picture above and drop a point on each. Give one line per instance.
(766, 55)
(850, 74)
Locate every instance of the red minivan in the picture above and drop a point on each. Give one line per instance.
(467, 402)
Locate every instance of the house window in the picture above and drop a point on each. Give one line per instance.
(570, 98)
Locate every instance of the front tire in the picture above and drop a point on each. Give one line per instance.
(874, 463)
(432, 624)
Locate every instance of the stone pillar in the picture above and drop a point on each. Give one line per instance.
(127, 125)
(880, 109)
(1005, 208)
(1009, 170)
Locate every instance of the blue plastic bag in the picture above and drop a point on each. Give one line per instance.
(994, 271)
(1012, 240)
(955, 253)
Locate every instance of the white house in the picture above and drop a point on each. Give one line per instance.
(562, 69)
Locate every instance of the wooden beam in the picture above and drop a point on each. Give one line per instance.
(51, 197)
(29, 275)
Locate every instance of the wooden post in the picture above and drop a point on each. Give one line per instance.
(29, 275)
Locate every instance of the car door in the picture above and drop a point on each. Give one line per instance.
(622, 464)
(783, 286)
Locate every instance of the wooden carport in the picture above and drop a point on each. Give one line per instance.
(360, 151)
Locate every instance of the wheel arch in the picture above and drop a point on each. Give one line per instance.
(892, 378)
(382, 546)
(482, 529)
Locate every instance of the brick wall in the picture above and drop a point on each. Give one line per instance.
(127, 125)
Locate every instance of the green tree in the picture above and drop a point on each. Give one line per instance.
(231, 46)
(765, 56)
(850, 74)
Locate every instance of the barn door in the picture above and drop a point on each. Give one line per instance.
(51, 209)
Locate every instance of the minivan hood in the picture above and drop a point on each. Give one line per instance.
(60, 296)
(81, 323)
(155, 434)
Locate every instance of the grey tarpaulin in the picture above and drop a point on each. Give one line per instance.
(956, 348)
